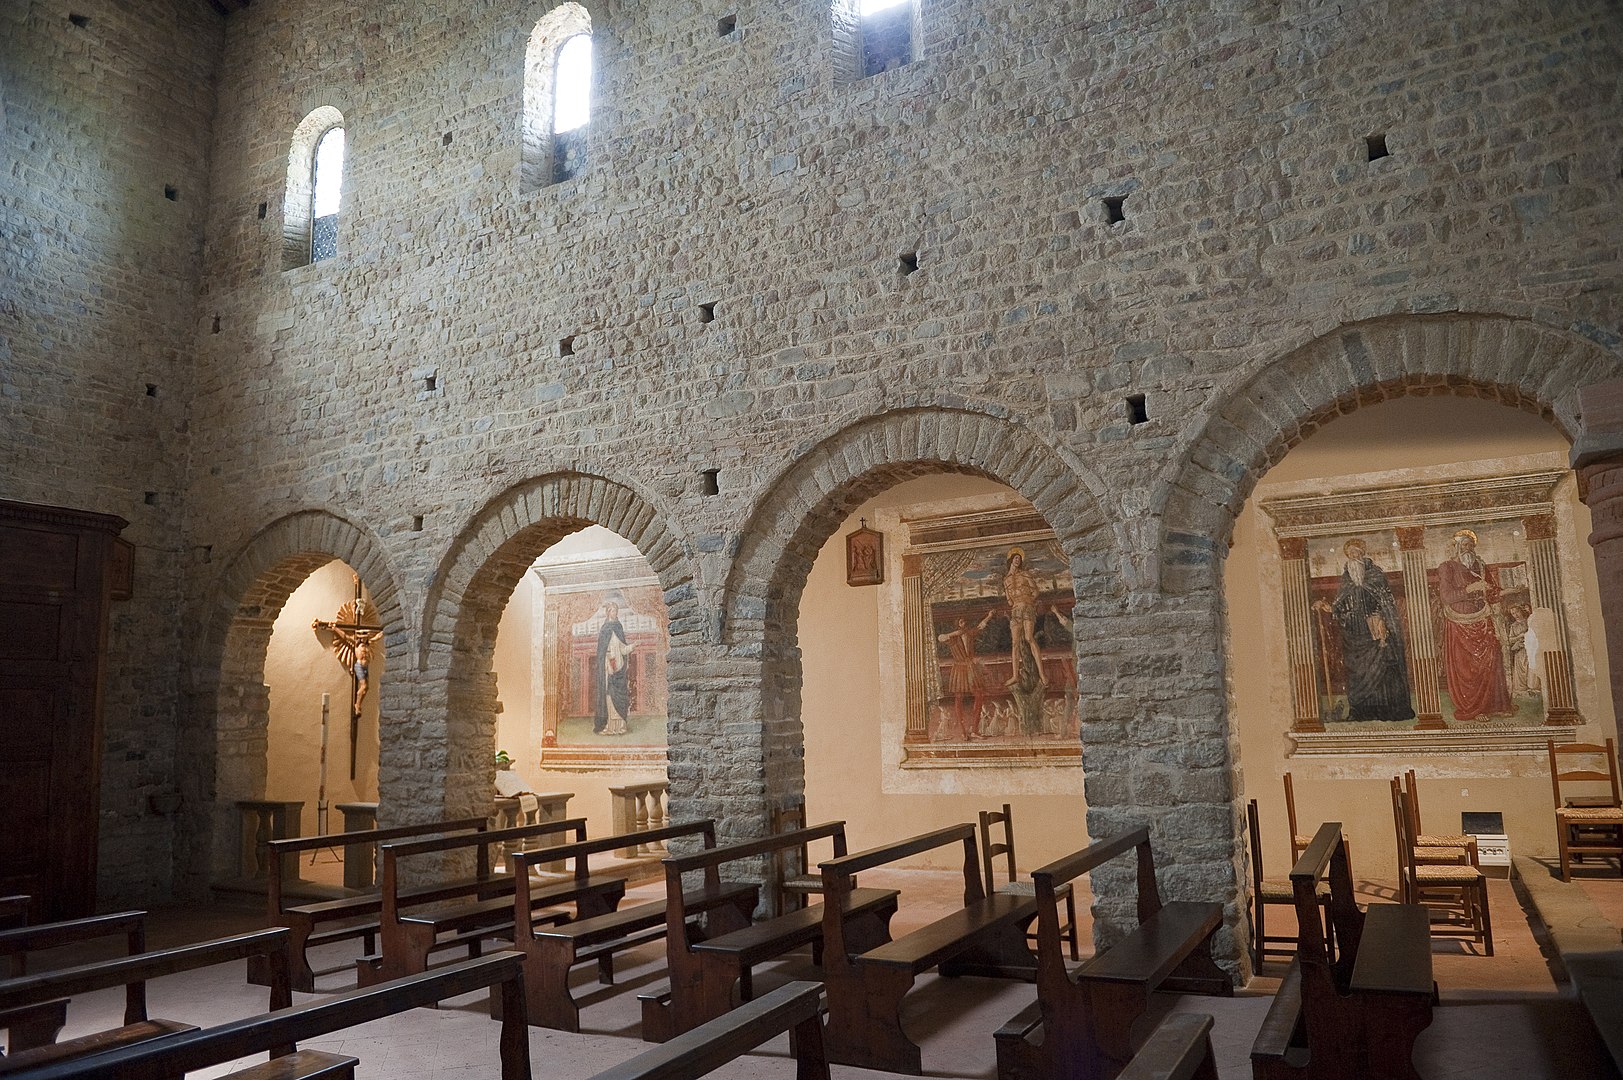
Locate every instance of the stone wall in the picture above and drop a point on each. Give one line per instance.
(1266, 275)
(105, 113)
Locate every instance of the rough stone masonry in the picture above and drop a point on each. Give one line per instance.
(1059, 220)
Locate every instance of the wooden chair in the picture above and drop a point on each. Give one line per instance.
(1439, 848)
(1459, 891)
(793, 882)
(1586, 825)
(990, 849)
(1299, 839)
(1267, 892)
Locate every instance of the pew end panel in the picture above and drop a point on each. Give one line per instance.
(705, 971)
(866, 986)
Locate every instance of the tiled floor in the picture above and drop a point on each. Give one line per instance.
(1500, 1016)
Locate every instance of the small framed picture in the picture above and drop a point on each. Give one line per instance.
(865, 556)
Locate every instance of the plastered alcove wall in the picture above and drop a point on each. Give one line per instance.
(298, 671)
(1405, 433)
(840, 656)
(519, 725)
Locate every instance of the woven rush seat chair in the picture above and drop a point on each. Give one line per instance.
(1591, 825)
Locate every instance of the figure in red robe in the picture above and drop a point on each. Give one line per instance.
(1472, 658)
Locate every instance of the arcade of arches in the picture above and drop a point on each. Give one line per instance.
(1120, 380)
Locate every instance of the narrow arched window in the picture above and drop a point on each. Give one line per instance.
(327, 182)
(313, 197)
(557, 97)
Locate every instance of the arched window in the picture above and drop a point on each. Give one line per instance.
(872, 36)
(557, 97)
(313, 195)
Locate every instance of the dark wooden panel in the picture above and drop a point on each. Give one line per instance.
(30, 631)
(36, 560)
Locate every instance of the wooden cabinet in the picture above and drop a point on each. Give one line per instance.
(60, 570)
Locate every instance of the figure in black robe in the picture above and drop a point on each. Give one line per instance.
(613, 675)
(1371, 640)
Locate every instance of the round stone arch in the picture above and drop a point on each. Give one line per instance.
(811, 499)
(228, 750)
(1514, 361)
(447, 765)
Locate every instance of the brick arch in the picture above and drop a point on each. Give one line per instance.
(813, 497)
(1513, 361)
(233, 701)
(464, 606)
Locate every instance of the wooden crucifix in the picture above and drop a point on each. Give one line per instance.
(350, 636)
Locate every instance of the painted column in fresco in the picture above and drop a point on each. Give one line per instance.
(1305, 644)
(920, 645)
(1544, 587)
(1424, 664)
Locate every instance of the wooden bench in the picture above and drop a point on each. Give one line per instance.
(38, 1024)
(470, 911)
(704, 972)
(1081, 1024)
(794, 1007)
(356, 915)
(867, 981)
(131, 972)
(1355, 1009)
(1180, 1048)
(551, 951)
(278, 1032)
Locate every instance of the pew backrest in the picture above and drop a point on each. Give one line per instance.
(278, 1031)
(839, 877)
(480, 841)
(279, 850)
(582, 849)
(16, 944)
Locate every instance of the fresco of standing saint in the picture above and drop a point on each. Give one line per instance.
(1366, 613)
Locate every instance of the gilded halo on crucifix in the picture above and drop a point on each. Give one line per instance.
(351, 636)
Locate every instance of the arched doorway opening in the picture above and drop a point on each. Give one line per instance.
(322, 735)
(1411, 587)
(919, 704)
(580, 659)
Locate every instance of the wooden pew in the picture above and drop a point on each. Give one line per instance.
(703, 972)
(38, 1024)
(866, 983)
(1081, 1024)
(131, 972)
(278, 1032)
(550, 951)
(470, 910)
(1354, 1010)
(794, 1008)
(14, 911)
(358, 914)
(1180, 1048)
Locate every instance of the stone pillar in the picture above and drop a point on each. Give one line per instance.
(1544, 585)
(1424, 664)
(1597, 457)
(920, 645)
(1296, 585)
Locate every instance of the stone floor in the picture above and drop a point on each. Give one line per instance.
(1500, 1016)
